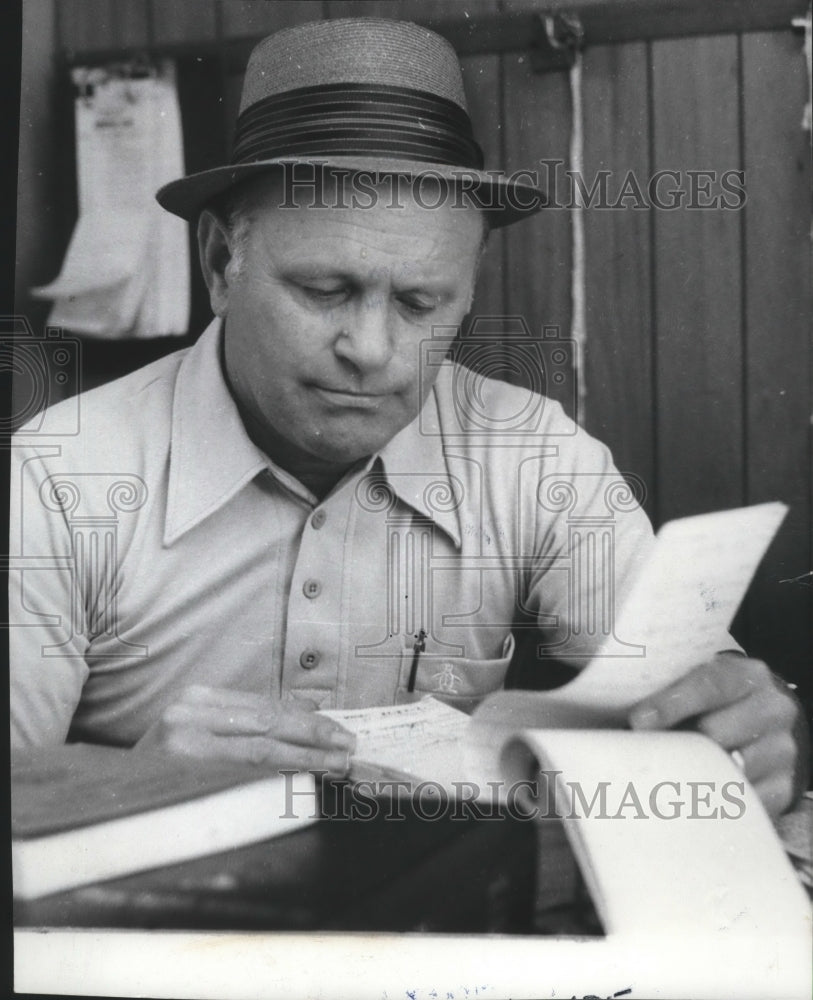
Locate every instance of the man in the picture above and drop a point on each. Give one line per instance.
(308, 509)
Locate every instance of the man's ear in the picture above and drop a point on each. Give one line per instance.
(215, 250)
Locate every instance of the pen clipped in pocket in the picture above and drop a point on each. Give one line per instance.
(458, 680)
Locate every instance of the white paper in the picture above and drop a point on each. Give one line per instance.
(423, 738)
(667, 797)
(681, 605)
(118, 251)
(126, 272)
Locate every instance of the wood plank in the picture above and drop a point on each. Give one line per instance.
(203, 116)
(183, 22)
(779, 303)
(618, 354)
(87, 25)
(425, 12)
(536, 127)
(697, 283)
(627, 20)
(257, 18)
(512, 29)
(481, 81)
(479, 30)
(253, 20)
(42, 233)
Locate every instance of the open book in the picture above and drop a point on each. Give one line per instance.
(676, 617)
(83, 813)
(568, 755)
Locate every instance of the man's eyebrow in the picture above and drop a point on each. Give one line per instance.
(409, 282)
(431, 286)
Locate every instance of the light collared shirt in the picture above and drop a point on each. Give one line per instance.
(154, 546)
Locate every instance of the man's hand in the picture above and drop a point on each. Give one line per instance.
(215, 722)
(741, 705)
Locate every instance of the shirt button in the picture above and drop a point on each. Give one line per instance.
(312, 588)
(318, 519)
(309, 659)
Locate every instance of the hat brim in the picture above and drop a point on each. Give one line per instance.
(504, 198)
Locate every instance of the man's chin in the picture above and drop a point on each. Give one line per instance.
(338, 454)
(356, 440)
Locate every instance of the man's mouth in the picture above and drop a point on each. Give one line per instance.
(349, 397)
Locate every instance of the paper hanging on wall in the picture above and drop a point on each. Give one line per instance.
(126, 271)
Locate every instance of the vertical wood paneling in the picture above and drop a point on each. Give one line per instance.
(260, 17)
(103, 24)
(183, 22)
(41, 238)
(779, 353)
(256, 18)
(618, 356)
(481, 79)
(200, 95)
(697, 283)
(538, 250)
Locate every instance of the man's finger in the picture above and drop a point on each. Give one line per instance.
(736, 725)
(710, 686)
(236, 720)
(203, 694)
(228, 720)
(776, 793)
(285, 725)
(234, 713)
(264, 750)
(771, 755)
(310, 729)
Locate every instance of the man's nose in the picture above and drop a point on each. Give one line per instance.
(365, 337)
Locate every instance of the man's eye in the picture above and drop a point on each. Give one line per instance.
(321, 293)
(417, 306)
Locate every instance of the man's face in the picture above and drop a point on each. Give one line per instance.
(327, 310)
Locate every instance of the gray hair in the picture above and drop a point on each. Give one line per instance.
(238, 223)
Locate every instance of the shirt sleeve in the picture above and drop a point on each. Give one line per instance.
(592, 536)
(47, 641)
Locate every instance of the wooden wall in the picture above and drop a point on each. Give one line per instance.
(698, 363)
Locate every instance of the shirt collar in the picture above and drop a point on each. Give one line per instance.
(414, 464)
(212, 457)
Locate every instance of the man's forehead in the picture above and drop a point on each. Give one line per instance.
(371, 201)
(350, 244)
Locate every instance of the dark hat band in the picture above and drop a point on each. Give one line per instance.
(357, 120)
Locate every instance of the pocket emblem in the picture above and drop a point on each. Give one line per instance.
(446, 679)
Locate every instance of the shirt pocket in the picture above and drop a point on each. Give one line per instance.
(457, 680)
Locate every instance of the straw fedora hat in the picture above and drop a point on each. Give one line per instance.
(361, 94)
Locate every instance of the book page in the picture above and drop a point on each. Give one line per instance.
(681, 605)
(675, 618)
(629, 828)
